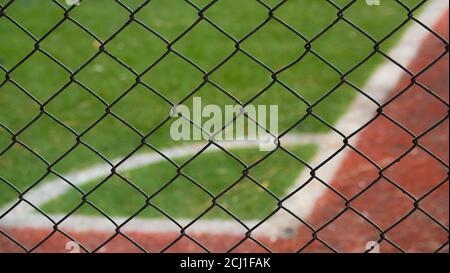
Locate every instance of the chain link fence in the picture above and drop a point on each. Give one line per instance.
(269, 14)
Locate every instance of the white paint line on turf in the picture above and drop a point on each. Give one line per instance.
(81, 223)
(50, 190)
(382, 82)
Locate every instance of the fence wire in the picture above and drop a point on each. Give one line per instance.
(202, 16)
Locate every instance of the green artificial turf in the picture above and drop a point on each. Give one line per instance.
(81, 103)
(214, 171)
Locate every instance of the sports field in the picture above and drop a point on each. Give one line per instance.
(100, 88)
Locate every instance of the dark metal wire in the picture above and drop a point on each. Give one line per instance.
(202, 16)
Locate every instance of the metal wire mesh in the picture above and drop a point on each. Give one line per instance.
(202, 16)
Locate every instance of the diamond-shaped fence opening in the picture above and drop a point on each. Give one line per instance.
(86, 93)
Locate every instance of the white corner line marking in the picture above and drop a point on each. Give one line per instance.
(21, 215)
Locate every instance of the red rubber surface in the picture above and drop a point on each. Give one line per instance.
(383, 203)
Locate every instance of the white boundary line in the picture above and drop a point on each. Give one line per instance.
(383, 81)
(50, 190)
(82, 223)
(23, 215)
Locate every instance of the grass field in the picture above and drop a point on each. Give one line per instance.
(183, 198)
(104, 82)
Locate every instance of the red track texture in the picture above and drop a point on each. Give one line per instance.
(383, 203)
